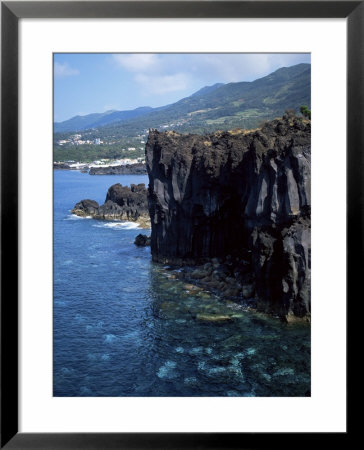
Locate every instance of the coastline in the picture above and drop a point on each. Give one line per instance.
(112, 169)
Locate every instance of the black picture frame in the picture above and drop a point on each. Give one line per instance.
(11, 12)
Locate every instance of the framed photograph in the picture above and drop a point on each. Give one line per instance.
(157, 201)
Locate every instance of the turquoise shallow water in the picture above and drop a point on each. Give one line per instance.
(124, 326)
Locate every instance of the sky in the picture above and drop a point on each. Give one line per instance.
(97, 82)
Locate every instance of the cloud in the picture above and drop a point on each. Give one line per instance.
(239, 67)
(157, 74)
(232, 68)
(163, 74)
(212, 67)
(138, 62)
(64, 70)
(163, 84)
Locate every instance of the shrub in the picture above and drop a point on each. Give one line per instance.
(305, 112)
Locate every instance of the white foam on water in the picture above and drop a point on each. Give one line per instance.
(74, 217)
(118, 225)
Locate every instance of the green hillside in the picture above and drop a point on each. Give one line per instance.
(218, 107)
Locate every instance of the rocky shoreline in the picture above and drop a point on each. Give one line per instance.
(121, 203)
(224, 278)
(236, 207)
(63, 166)
(127, 169)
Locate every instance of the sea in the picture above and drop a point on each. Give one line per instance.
(124, 326)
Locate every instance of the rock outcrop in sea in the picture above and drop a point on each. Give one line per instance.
(142, 240)
(127, 169)
(121, 203)
(242, 198)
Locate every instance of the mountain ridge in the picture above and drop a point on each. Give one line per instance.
(80, 123)
(225, 99)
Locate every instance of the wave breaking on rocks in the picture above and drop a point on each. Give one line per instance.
(121, 203)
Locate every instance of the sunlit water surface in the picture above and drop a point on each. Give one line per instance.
(124, 326)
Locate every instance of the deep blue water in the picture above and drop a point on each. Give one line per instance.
(124, 326)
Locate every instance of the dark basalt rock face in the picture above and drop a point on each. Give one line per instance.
(128, 169)
(121, 203)
(142, 240)
(61, 166)
(86, 208)
(237, 193)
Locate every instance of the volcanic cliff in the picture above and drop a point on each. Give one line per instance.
(242, 198)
